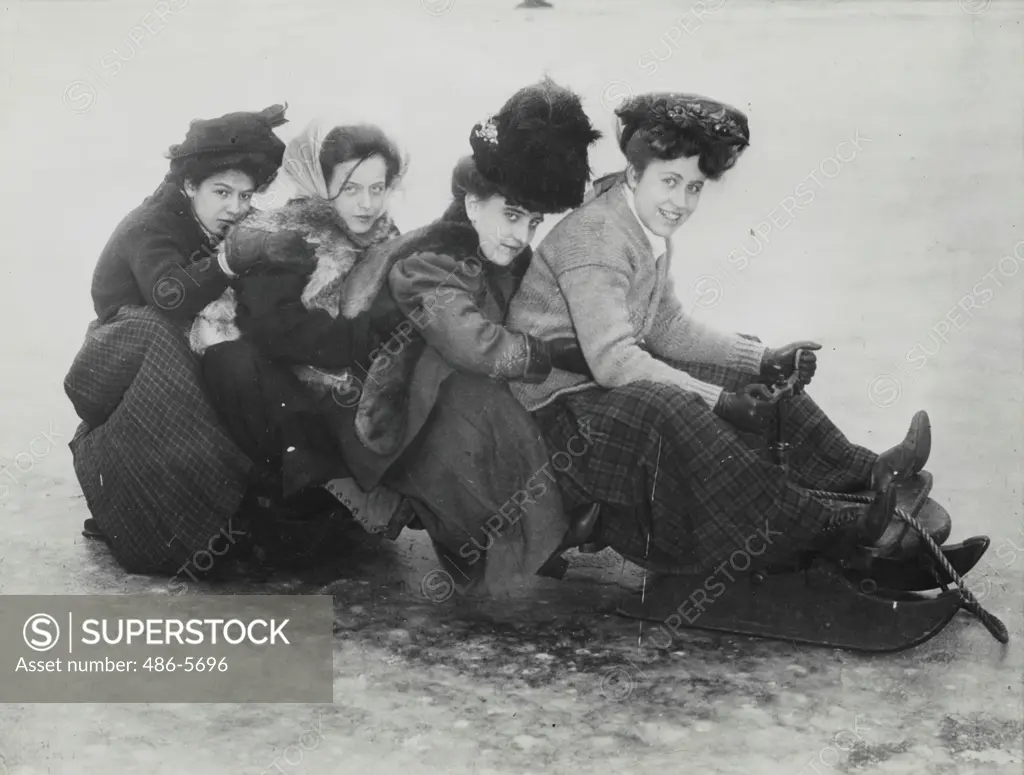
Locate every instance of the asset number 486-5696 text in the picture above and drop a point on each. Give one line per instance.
(189, 665)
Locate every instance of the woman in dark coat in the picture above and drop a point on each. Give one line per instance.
(674, 404)
(473, 464)
(160, 475)
(310, 329)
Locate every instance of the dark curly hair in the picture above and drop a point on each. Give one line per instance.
(665, 144)
(467, 179)
(199, 167)
(345, 143)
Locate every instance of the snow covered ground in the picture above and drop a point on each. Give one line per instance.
(878, 210)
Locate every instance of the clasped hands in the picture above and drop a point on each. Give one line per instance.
(751, 408)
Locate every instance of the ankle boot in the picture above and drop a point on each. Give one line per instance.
(907, 458)
(856, 527)
(582, 525)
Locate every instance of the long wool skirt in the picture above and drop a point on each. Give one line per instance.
(482, 482)
(159, 472)
(682, 487)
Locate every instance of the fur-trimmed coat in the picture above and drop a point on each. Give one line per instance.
(455, 306)
(325, 325)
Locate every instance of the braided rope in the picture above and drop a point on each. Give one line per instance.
(968, 600)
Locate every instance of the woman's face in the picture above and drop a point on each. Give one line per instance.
(360, 200)
(667, 193)
(505, 230)
(222, 200)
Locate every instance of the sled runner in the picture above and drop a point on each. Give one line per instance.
(867, 602)
(922, 572)
(817, 606)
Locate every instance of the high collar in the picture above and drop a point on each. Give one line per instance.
(169, 196)
(659, 245)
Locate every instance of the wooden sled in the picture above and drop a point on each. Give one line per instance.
(817, 607)
(867, 608)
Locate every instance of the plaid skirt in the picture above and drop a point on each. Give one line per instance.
(160, 475)
(681, 487)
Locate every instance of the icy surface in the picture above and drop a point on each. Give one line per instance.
(918, 217)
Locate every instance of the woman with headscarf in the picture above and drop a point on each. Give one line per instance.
(278, 348)
(160, 475)
(673, 403)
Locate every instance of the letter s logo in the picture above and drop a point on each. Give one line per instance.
(168, 293)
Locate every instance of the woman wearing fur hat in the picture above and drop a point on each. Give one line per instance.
(476, 475)
(672, 402)
(161, 476)
(280, 346)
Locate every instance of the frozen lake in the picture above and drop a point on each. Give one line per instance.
(896, 128)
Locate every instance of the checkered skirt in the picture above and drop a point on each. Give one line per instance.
(159, 473)
(682, 487)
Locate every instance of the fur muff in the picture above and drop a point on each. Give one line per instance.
(346, 281)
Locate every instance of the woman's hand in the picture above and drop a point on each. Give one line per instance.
(566, 355)
(749, 410)
(781, 362)
(253, 250)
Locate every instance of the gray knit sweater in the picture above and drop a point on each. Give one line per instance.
(595, 276)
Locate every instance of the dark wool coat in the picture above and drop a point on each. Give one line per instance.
(158, 256)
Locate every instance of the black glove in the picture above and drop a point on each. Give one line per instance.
(566, 355)
(538, 364)
(781, 362)
(749, 410)
(253, 250)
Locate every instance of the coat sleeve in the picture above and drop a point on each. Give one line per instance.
(678, 336)
(597, 297)
(271, 314)
(435, 292)
(177, 284)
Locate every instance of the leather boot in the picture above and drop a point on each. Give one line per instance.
(907, 458)
(582, 525)
(856, 527)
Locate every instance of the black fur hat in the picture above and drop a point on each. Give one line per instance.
(243, 134)
(534, 150)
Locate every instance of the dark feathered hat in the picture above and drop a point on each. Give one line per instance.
(706, 120)
(245, 134)
(534, 150)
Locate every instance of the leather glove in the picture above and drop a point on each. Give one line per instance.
(566, 355)
(538, 362)
(253, 250)
(749, 409)
(781, 362)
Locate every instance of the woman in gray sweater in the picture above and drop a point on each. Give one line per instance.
(674, 405)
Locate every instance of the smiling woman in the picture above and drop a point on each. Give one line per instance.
(673, 403)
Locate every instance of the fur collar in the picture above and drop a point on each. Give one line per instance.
(451, 237)
(349, 272)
